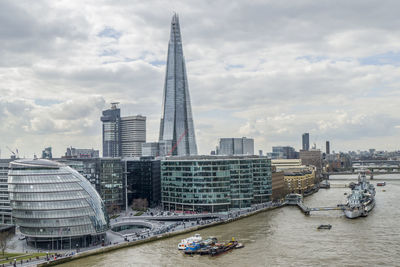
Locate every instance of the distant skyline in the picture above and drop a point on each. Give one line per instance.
(269, 70)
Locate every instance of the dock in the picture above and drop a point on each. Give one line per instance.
(297, 200)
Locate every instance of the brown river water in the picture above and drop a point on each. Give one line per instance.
(286, 237)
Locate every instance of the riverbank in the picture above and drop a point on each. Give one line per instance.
(154, 238)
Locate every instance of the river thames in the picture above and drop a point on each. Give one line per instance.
(286, 237)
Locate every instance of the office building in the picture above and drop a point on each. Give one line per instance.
(298, 178)
(111, 131)
(47, 154)
(143, 180)
(112, 184)
(312, 157)
(279, 187)
(177, 122)
(133, 135)
(306, 141)
(150, 149)
(54, 206)
(328, 149)
(81, 153)
(236, 146)
(284, 152)
(214, 183)
(122, 136)
(5, 209)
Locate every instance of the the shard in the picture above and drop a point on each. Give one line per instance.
(176, 127)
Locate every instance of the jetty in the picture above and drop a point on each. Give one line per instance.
(297, 200)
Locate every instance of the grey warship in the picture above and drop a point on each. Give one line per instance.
(362, 198)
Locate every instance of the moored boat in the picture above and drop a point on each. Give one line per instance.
(187, 241)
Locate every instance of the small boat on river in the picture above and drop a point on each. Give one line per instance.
(187, 241)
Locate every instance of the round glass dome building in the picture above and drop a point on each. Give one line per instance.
(54, 206)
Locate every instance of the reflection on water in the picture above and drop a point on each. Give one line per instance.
(286, 237)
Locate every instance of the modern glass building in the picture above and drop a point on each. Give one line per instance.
(54, 206)
(111, 131)
(5, 209)
(214, 183)
(112, 183)
(236, 146)
(143, 180)
(177, 121)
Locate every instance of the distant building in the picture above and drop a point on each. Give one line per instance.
(284, 152)
(122, 136)
(133, 135)
(306, 141)
(312, 157)
(143, 180)
(298, 178)
(111, 131)
(81, 153)
(151, 149)
(214, 183)
(279, 188)
(176, 125)
(5, 209)
(236, 146)
(328, 150)
(46, 153)
(158, 149)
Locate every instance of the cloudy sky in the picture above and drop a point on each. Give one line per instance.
(270, 70)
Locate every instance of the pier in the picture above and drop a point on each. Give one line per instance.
(297, 200)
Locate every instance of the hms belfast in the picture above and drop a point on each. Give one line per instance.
(362, 198)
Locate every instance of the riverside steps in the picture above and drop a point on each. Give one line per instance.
(297, 200)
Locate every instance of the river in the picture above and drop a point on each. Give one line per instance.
(286, 237)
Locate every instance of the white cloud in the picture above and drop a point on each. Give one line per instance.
(264, 69)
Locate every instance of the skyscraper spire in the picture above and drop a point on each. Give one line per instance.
(177, 121)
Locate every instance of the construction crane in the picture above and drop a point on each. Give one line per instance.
(14, 155)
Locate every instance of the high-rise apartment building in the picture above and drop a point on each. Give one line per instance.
(133, 135)
(122, 136)
(177, 122)
(236, 146)
(306, 141)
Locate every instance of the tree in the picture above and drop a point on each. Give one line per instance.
(4, 241)
(140, 204)
(113, 209)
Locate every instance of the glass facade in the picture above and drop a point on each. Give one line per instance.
(177, 121)
(5, 209)
(112, 182)
(214, 183)
(53, 201)
(143, 180)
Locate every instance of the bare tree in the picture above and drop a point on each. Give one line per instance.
(140, 204)
(4, 241)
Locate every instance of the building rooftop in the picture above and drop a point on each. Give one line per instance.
(214, 157)
(39, 163)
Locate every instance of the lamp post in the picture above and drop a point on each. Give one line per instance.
(126, 186)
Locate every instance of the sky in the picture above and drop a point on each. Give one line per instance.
(269, 70)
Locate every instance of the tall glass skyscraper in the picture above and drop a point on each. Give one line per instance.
(177, 121)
